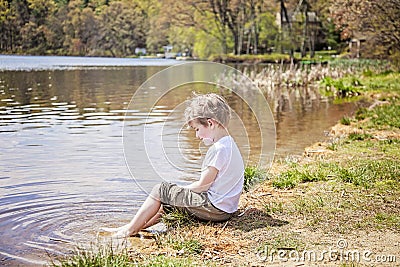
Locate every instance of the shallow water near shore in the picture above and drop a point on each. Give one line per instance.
(62, 168)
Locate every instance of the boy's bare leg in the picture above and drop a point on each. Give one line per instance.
(155, 219)
(146, 216)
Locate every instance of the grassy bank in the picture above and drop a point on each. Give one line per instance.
(319, 57)
(251, 59)
(342, 197)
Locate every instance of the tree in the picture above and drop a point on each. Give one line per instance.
(13, 16)
(35, 31)
(159, 23)
(182, 38)
(233, 15)
(55, 36)
(376, 21)
(235, 21)
(121, 28)
(268, 31)
(88, 31)
(188, 25)
(5, 27)
(117, 27)
(71, 25)
(322, 9)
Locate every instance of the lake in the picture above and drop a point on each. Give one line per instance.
(63, 170)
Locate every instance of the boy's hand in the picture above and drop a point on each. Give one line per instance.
(207, 178)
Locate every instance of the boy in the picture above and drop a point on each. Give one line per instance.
(215, 197)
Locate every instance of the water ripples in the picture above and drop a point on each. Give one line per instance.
(29, 63)
(13, 116)
(42, 221)
(64, 165)
(63, 173)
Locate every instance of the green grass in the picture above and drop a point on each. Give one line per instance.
(164, 261)
(274, 207)
(345, 120)
(266, 58)
(301, 174)
(359, 136)
(286, 180)
(177, 217)
(360, 172)
(105, 255)
(386, 81)
(343, 87)
(361, 114)
(252, 176)
(358, 186)
(371, 160)
(372, 147)
(377, 81)
(190, 246)
(340, 207)
(384, 117)
(320, 56)
(362, 65)
(310, 204)
(391, 220)
(283, 241)
(96, 256)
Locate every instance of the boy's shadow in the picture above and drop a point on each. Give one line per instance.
(252, 218)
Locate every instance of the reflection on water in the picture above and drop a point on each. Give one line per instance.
(62, 167)
(62, 170)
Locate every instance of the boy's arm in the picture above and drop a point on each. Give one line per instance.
(207, 178)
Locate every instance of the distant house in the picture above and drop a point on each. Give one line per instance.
(167, 48)
(168, 51)
(306, 30)
(140, 51)
(355, 45)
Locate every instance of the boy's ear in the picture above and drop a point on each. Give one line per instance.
(210, 122)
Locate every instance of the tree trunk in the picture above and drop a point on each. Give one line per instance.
(284, 11)
(256, 34)
(254, 28)
(304, 43)
(241, 36)
(312, 43)
(112, 52)
(224, 41)
(236, 50)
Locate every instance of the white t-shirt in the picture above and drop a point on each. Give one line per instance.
(224, 155)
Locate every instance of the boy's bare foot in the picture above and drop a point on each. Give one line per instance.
(122, 233)
(118, 232)
(109, 229)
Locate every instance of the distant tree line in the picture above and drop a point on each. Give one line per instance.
(75, 27)
(197, 27)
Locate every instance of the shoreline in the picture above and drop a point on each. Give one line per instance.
(318, 211)
(342, 196)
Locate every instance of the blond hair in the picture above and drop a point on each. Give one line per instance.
(208, 106)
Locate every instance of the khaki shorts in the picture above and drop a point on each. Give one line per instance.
(196, 204)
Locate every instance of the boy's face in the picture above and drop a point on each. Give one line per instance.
(204, 133)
